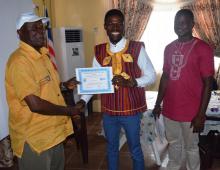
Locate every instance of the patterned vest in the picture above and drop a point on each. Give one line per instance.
(125, 101)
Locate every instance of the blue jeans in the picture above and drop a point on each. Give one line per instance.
(131, 124)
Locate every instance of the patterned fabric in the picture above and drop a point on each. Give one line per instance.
(6, 155)
(137, 14)
(151, 128)
(207, 21)
(186, 64)
(148, 127)
(125, 101)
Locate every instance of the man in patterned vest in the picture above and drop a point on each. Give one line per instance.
(132, 70)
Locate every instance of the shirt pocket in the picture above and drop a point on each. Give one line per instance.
(43, 78)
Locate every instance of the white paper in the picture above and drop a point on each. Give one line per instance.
(95, 80)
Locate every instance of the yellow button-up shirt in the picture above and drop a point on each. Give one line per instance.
(29, 72)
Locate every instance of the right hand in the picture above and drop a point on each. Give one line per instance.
(81, 105)
(157, 111)
(73, 110)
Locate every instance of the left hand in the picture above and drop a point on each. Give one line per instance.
(71, 83)
(157, 111)
(121, 81)
(198, 123)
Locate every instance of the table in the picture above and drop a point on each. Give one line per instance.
(213, 113)
(210, 138)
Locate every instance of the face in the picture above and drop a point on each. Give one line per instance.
(114, 27)
(183, 26)
(33, 33)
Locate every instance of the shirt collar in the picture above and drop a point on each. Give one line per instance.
(33, 53)
(114, 48)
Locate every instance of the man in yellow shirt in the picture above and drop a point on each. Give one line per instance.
(39, 120)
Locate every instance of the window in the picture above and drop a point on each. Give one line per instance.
(159, 32)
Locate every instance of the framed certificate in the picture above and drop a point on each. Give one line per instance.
(95, 80)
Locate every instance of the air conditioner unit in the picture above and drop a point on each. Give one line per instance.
(68, 45)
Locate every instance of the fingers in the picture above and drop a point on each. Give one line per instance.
(73, 81)
(81, 105)
(197, 128)
(77, 109)
(133, 82)
(157, 111)
(198, 124)
(156, 115)
(117, 80)
(73, 111)
(71, 86)
(121, 81)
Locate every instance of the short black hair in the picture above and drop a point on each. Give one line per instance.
(113, 12)
(186, 12)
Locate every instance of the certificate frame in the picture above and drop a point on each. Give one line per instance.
(94, 80)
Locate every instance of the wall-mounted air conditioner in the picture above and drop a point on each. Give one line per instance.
(68, 44)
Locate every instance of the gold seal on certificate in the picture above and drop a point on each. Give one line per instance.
(94, 80)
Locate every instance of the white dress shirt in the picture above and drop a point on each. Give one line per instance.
(148, 72)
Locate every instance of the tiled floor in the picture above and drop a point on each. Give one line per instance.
(97, 154)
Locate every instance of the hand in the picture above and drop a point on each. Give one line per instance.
(157, 111)
(121, 81)
(71, 83)
(72, 110)
(198, 123)
(81, 104)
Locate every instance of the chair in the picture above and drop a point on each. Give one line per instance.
(205, 150)
(209, 148)
(79, 126)
(90, 106)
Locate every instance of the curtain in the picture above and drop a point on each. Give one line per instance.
(6, 154)
(137, 14)
(207, 21)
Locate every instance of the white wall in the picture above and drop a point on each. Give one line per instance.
(9, 11)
